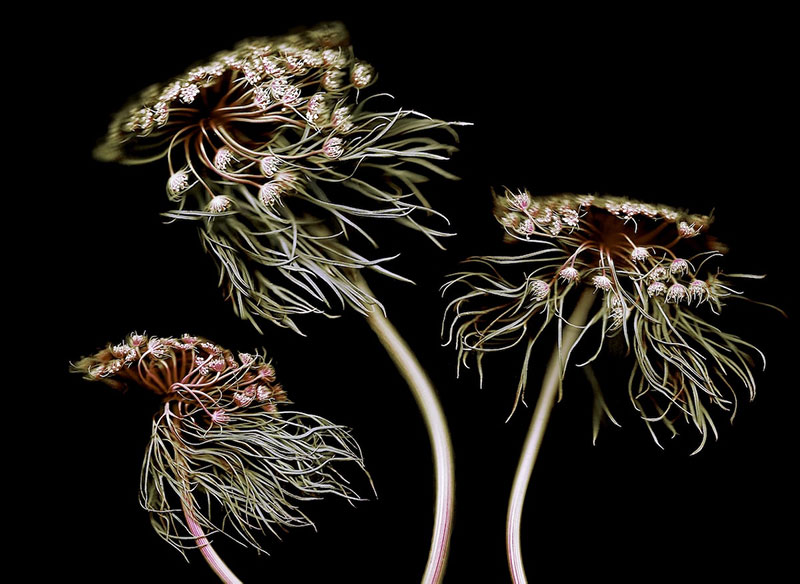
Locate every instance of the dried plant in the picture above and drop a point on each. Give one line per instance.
(277, 156)
(222, 458)
(626, 269)
(270, 152)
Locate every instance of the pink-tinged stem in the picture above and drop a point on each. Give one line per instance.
(431, 410)
(541, 415)
(209, 553)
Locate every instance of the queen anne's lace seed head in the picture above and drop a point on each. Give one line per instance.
(242, 399)
(333, 147)
(219, 204)
(317, 107)
(177, 184)
(678, 267)
(603, 283)
(223, 158)
(658, 274)
(291, 95)
(640, 254)
(120, 350)
(362, 75)
(298, 98)
(521, 201)
(219, 435)
(333, 80)
(528, 227)
(262, 98)
(263, 393)
(539, 289)
(188, 93)
(643, 257)
(570, 217)
(569, 275)
(269, 165)
(267, 372)
(698, 290)
(269, 193)
(677, 293)
(335, 58)
(170, 92)
(340, 117)
(217, 365)
(687, 230)
(160, 113)
(157, 348)
(220, 417)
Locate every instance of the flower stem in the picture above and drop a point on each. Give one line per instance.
(541, 415)
(431, 410)
(209, 553)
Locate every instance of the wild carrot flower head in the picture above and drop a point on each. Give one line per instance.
(274, 150)
(649, 267)
(221, 449)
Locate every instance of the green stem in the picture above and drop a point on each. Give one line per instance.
(541, 415)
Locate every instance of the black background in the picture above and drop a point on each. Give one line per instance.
(680, 108)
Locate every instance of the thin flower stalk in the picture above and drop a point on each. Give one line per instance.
(541, 415)
(226, 455)
(278, 155)
(441, 447)
(650, 282)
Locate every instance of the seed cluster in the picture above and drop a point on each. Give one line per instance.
(647, 268)
(586, 223)
(202, 376)
(244, 105)
(525, 215)
(273, 150)
(221, 458)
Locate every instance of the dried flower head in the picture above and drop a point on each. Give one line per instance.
(223, 458)
(649, 266)
(280, 108)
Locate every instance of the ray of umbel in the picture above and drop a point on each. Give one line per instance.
(621, 268)
(280, 157)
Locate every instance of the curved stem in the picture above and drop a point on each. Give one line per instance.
(209, 553)
(439, 435)
(541, 414)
